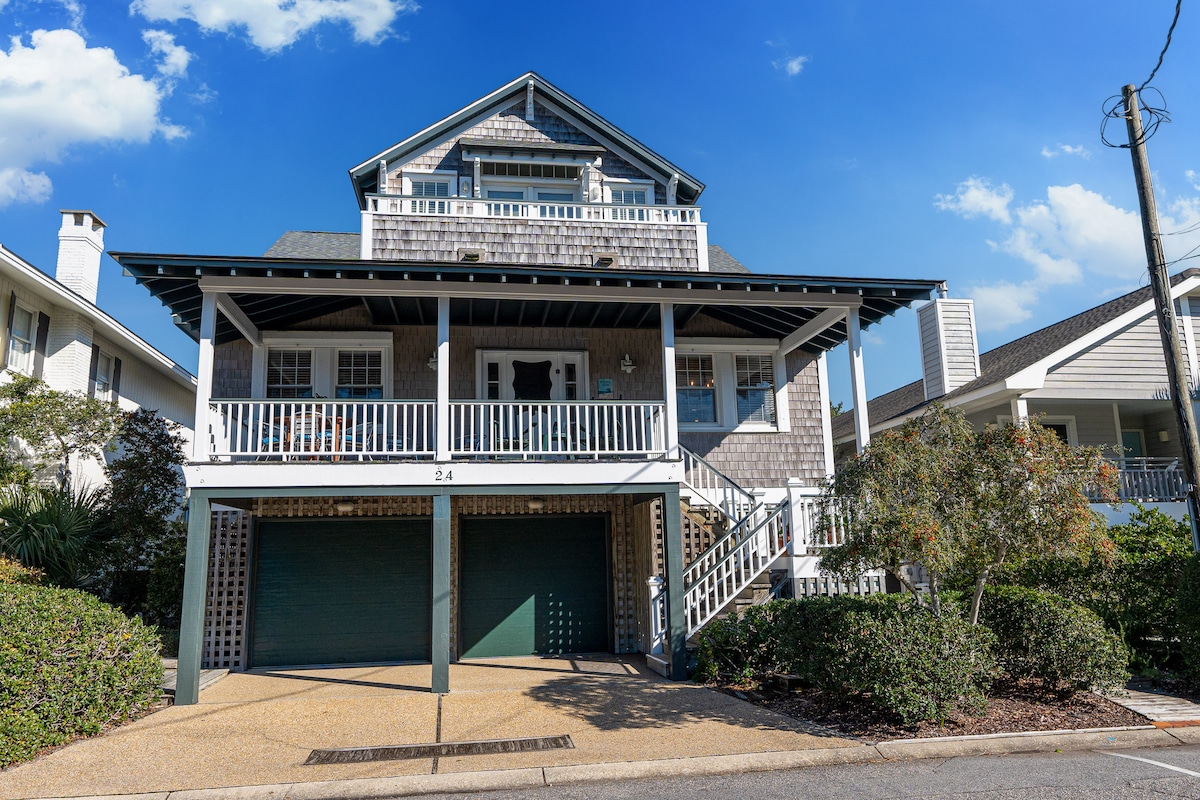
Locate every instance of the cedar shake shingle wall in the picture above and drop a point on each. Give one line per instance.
(769, 459)
(233, 364)
(570, 243)
(510, 124)
(704, 325)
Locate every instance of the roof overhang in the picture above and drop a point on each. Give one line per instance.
(275, 293)
(365, 175)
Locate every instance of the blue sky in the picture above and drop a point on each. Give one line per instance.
(954, 140)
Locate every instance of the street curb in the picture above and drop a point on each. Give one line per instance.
(534, 777)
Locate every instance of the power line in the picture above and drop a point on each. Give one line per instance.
(1171, 30)
(1114, 107)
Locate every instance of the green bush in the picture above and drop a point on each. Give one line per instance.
(882, 650)
(1060, 642)
(13, 571)
(69, 666)
(1188, 609)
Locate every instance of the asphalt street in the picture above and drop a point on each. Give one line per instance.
(1164, 772)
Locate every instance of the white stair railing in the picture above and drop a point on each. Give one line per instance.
(713, 488)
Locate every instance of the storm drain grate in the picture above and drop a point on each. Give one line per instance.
(355, 755)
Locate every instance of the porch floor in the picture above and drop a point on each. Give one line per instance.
(259, 727)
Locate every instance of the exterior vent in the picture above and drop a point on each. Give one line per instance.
(471, 255)
(603, 259)
(949, 347)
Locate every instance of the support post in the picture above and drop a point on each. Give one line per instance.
(667, 313)
(673, 561)
(442, 442)
(1160, 284)
(204, 376)
(826, 411)
(1019, 408)
(858, 381)
(195, 591)
(440, 657)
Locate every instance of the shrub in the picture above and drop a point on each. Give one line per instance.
(69, 666)
(882, 650)
(14, 572)
(1053, 639)
(1188, 609)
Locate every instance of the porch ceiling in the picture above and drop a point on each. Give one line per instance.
(771, 306)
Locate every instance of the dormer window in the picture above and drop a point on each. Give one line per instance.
(430, 188)
(629, 197)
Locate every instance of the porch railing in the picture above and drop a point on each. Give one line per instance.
(321, 429)
(588, 429)
(812, 532)
(1149, 480)
(531, 210)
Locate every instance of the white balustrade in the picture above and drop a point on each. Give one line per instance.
(814, 531)
(714, 488)
(531, 210)
(323, 429)
(658, 614)
(597, 429)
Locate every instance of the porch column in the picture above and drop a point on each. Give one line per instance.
(204, 376)
(858, 380)
(441, 595)
(442, 443)
(195, 579)
(667, 319)
(1019, 408)
(1118, 439)
(673, 561)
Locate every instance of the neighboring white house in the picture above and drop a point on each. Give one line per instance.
(526, 408)
(1097, 378)
(54, 330)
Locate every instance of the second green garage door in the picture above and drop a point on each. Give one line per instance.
(533, 585)
(341, 592)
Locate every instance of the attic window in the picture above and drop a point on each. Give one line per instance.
(430, 188)
(514, 170)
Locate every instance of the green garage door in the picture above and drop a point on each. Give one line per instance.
(341, 591)
(533, 585)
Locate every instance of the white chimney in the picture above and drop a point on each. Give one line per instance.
(80, 244)
(949, 347)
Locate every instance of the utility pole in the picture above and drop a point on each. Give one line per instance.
(1164, 306)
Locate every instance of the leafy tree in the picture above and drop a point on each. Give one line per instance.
(53, 425)
(836, 409)
(935, 493)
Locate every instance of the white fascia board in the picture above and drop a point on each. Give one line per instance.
(980, 398)
(1034, 376)
(334, 287)
(37, 281)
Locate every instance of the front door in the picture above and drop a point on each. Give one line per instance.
(533, 375)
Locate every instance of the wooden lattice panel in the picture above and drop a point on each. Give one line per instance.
(225, 609)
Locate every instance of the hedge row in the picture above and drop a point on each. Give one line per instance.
(69, 666)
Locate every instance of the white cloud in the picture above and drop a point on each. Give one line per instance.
(174, 57)
(59, 93)
(1001, 305)
(791, 66)
(1193, 178)
(975, 197)
(1066, 149)
(275, 24)
(204, 95)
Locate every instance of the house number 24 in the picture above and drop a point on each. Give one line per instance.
(443, 476)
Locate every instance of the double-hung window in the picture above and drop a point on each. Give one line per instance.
(102, 389)
(696, 397)
(755, 389)
(725, 386)
(360, 374)
(20, 343)
(289, 373)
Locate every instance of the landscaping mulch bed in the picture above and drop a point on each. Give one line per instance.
(1012, 708)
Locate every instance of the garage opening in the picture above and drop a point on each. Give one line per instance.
(344, 591)
(536, 585)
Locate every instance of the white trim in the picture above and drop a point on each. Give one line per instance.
(940, 331)
(556, 356)
(723, 353)
(814, 327)
(324, 345)
(667, 330)
(30, 356)
(407, 174)
(628, 183)
(826, 420)
(1047, 419)
(342, 339)
(1189, 339)
(858, 383)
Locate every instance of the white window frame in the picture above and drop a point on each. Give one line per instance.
(483, 356)
(723, 352)
(106, 394)
(409, 175)
(629, 183)
(324, 346)
(27, 358)
(1047, 419)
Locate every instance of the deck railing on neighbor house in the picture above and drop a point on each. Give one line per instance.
(264, 430)
(1150, 480)
(533, 210)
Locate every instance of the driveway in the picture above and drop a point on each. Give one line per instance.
(260, 727)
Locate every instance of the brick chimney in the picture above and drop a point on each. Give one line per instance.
(949, 347)
(80, 244)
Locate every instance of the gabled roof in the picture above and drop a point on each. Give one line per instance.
(43, 284)
(328, 245)
(365, 175)
(1005, 361)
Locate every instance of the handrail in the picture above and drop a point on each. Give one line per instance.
(720, 543)
(715, 487)
(490, 208)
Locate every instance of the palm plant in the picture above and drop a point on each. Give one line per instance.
(55, 529)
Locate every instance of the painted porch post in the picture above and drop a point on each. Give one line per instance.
(667, 314)
(441, 595)
(1019, 407)
(826, 411)
(858, 381)
(204, 376)
(673, 560)
(195, 580)
(442, 445)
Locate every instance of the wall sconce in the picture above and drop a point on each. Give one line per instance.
(1164, 436)
(433, 362)
(536, 504)
(344, 506)
(627, 364)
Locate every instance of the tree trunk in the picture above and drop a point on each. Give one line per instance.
(981, 581)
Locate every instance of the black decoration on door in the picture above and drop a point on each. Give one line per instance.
(531, 380)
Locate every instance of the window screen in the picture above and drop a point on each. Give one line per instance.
(755, 389)
(431, 188)
(289, 373)
(360, 374)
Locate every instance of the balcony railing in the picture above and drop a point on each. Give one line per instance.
(336, 430)
(1150, 480)
(596, 429)
(531, 210)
